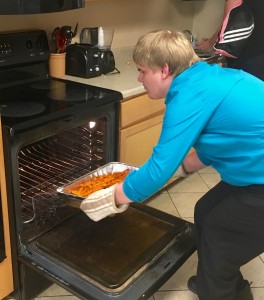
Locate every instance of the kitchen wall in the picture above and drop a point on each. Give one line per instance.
(130, 18)
(207, 17)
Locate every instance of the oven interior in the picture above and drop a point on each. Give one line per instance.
(109, 255)
(113, 252)
(45, 165)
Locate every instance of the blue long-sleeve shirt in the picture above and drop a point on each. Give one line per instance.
(219, 112)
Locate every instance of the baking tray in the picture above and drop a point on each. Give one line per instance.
(109, 168)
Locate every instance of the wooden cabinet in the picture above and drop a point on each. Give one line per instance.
(6, 273)
(140, 125)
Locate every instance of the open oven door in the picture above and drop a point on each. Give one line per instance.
(127, 256)
(6, 272)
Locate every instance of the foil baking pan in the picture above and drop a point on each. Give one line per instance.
(109, 168)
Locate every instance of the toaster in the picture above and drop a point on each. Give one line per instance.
(87, 61)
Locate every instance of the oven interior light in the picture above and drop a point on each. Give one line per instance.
(92, 124)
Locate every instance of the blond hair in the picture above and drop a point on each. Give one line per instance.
(157, 48)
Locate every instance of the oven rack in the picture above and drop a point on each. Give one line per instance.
(56, 161)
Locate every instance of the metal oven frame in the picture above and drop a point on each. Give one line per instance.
(42, 269)
(12, 141)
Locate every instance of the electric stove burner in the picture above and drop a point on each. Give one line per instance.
(63, 91)
(21, 109)
(42, 85)
(60, 91)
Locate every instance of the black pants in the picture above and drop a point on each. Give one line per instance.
(229, 223)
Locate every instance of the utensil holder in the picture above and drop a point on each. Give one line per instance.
(57, 64)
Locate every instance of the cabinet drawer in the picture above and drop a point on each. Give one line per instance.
(140, 108)
(137, 141)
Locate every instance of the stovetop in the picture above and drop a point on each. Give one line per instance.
(44, 98)
(28, 94)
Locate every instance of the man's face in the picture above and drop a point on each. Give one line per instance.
(152, 81)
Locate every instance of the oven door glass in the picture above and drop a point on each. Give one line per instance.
(112, 254)
(112, 251)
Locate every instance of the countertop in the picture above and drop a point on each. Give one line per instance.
(126, 82)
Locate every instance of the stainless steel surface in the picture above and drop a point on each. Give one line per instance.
(209, 56)
(203, 54)
(213, 59)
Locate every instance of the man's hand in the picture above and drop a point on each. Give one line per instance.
(204, 44)
(101, 204)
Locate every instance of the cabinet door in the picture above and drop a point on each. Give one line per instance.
(140, 108)
(137, 141)
(6, 273)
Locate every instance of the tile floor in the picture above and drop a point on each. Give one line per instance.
(179, 199)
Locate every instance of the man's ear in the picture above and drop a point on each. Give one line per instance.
(165, 71)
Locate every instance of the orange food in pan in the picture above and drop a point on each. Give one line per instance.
(99, 183)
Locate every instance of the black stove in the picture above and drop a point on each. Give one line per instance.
(28, 95)
(44, 100)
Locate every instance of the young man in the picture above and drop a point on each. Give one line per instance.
(220, 113)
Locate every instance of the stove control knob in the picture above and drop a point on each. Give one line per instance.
(40, 43)
(29, 44)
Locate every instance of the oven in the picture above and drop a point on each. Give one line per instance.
(53, 132)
